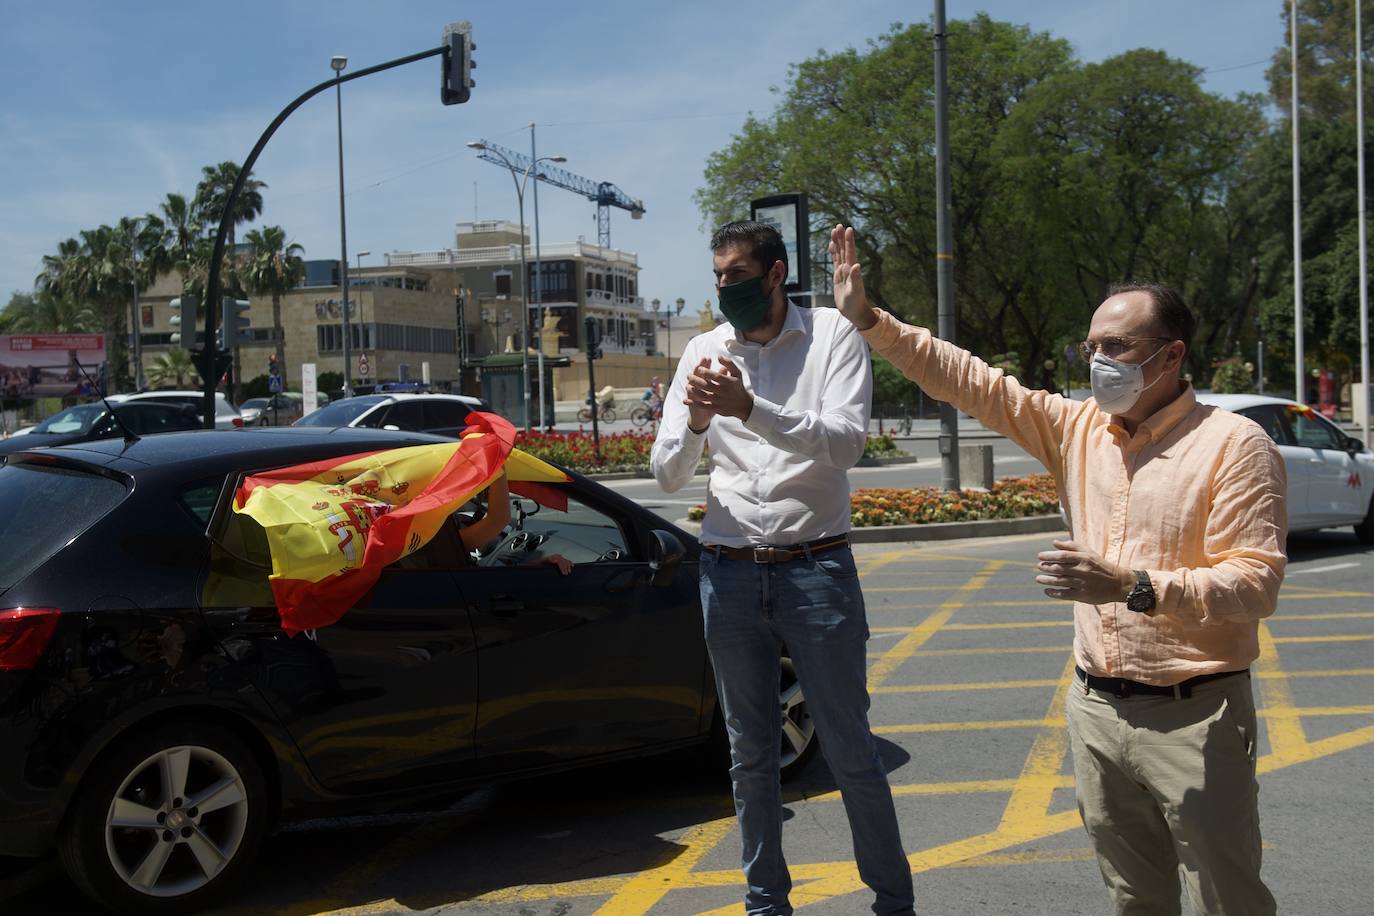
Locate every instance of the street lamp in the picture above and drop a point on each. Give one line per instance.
(358, 256)
(672, 370)
(337, 64)
(524, 274)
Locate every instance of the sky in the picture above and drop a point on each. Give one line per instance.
(107, 107)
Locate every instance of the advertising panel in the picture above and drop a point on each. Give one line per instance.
(788, 214)
(49, 365)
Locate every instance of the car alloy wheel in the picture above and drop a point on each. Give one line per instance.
(798, 731)
(165, 819)
(177, 819)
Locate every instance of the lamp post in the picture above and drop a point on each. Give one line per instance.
(656, 305)
(672, 366)
(520, 184)
(337, 63)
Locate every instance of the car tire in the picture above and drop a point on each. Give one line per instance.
(799, 739)
(133, 849)
(1364, 531)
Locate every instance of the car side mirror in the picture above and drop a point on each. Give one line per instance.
(665, 553)
(1353, 446)
(393, 427)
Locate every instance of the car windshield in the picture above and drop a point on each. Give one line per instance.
(43, 508)
(74, 420)
(341, 413)
(253, 403)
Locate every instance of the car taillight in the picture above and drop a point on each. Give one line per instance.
(238, 421)
(24, 634)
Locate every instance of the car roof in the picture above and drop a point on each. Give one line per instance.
(163, 393)
(428, 396)
(1241, 401)
(213, 449)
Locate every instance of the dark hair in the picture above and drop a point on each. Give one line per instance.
(1168, 305)
(761, 240)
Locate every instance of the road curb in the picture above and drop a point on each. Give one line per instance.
(938, 531)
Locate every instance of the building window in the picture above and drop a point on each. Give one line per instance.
(502, 280)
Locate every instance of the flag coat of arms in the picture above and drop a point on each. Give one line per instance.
(333, 525)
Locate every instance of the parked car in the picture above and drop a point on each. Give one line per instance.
(226, 414)
(1330, 474)
(157, 720)
(440, 414)
(89, 422)
(280, 409)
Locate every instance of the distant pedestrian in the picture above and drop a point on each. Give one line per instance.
(782, 395)
(1178, 520)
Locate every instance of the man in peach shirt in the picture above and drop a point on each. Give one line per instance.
(1176, 549)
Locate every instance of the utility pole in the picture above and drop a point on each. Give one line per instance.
(1299, 373)
(1364, 275)
(944, 254)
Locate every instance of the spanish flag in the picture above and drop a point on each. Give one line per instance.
(333, 525)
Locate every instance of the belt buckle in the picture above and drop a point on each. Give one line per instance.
(763, 554)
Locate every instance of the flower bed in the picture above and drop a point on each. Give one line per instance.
(627, 451)
(619, 451)
(1010, 497)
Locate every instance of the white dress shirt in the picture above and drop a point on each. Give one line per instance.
(778, 477)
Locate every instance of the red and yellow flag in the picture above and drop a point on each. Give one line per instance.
(333, 525)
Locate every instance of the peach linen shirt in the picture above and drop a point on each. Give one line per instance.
(1195, 498)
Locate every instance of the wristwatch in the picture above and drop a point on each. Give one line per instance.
(1141, 598)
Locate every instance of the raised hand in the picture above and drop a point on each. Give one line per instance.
(698, 414)
(719, 393)
(1073, 572)
(850, 297)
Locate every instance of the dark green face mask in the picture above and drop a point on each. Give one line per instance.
(744, 304)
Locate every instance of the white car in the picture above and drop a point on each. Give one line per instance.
(1330, 474)
(440, 414)
(227, 416)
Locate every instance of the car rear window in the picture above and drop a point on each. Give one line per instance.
(44, 506)
(340, 413)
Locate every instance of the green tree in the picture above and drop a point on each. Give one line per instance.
(1326, 59)
(173, 368)
(212, 193)
(273, 267)
(46, 312)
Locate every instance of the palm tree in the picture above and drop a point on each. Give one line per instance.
(140, 243)
(46, 312)
(213, 191)
(173, 367)
(273, 267)
(184, 228)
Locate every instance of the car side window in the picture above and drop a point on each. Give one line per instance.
(446, 417)
(582, 534)
(1311, 431)
(375, 419)
(407, 415)
(1271, 419)
(240, 562)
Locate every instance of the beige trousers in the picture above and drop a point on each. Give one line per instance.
(1164, 782)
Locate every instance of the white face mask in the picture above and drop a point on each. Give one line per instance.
(1117, 385)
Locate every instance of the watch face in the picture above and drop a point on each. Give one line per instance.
(1140, 601)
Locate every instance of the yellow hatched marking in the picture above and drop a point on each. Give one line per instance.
(893, 658)
(642, 892)
(990, 725)
(978, 650)
(1287, 739)
(1342, 615)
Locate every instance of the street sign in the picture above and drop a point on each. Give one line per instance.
(364, 369)
(274, 384)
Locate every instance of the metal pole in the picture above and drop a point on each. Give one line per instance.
(1300, 395)
(343, 245)
(538, 283)
(524, 305)
(944, 257)
(1364, 276)
(139, 381)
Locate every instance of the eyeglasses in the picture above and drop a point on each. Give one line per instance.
(1112, 347)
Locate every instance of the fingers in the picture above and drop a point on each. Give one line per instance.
(851, 251)
(730, 368)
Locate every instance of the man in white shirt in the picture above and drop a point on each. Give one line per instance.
(782, 395)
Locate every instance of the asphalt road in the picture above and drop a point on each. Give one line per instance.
(968, 673)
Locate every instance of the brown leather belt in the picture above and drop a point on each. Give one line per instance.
(1122, 688)
(763, 553)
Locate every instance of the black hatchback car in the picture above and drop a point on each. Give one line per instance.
(87, 422)
(155, 720)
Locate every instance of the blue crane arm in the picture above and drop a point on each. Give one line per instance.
(602, 193)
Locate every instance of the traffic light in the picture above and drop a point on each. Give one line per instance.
(593, 336)
(455, 77)
(183, 321)
(233, 322)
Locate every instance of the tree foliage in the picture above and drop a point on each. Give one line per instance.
(1065, 178)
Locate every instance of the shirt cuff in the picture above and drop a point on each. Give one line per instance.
(763, 419)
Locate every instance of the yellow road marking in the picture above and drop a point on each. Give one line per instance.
(642, 892)
(893, 658)
(1342, 615)
(1287, 739)
(1362, 637)
(978, 650)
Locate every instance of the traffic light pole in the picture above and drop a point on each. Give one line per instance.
(212, 284)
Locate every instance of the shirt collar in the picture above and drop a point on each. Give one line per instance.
(792, 323)
(1162, 421)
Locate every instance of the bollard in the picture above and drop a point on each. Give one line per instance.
(975, 466)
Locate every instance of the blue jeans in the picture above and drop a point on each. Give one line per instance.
(813, 606)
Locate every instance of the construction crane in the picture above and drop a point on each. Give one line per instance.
(604, 194)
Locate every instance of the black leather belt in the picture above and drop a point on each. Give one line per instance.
(763, 553)
(1122, 688)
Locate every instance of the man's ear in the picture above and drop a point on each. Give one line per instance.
(1178, 353)
(777, 274)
